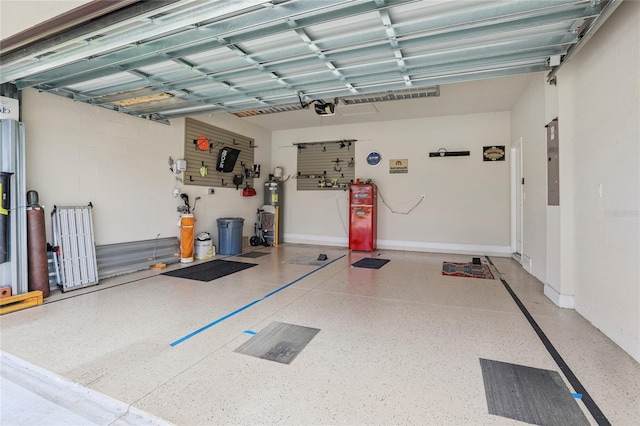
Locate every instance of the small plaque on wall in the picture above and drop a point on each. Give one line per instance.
(374, 158)
(493, 153)
(399, 166)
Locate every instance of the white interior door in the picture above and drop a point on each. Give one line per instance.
(517, 199)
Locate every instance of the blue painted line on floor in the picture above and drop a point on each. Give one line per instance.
(301, 278)
(219, 320)
(247, 306)
(250, 332)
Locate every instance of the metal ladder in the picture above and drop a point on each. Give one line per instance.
(75, 256)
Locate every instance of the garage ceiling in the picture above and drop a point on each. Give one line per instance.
(165, 59)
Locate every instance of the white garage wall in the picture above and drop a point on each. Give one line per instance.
(527, 122)
(78, 154)
(599, 89)
(466, 206)
(15, 17)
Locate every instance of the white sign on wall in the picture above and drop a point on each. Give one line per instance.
(399, 166)
(9, 108)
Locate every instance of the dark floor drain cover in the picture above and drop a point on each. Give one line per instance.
(278, 342)
(529, 394)
(306, 260)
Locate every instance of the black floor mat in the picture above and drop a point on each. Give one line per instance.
(528, 394)
(253, 254)
(278, 342)
(210, 271)
(370, 262)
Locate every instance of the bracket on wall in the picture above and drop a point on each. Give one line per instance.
(442, 152)
(342, 142)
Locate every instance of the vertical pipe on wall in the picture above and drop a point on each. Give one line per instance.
(277, 224)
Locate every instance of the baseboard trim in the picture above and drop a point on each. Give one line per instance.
(561, 300)
(526, 263)
(502, 251)
(316, 239)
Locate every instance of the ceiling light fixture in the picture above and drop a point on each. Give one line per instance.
(143, 99)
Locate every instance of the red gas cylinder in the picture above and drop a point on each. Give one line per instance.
(36, 246)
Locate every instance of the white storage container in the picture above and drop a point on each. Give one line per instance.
(203, 247)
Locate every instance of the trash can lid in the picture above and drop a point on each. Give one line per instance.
(231, 219)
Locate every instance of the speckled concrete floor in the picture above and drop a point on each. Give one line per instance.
(398, 345)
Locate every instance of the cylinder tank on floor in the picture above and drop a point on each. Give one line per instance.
(37, 262)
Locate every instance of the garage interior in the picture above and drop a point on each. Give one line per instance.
(501, 134)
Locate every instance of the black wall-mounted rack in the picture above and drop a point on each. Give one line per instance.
(444, 153)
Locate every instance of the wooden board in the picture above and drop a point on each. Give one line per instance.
(20, 301)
